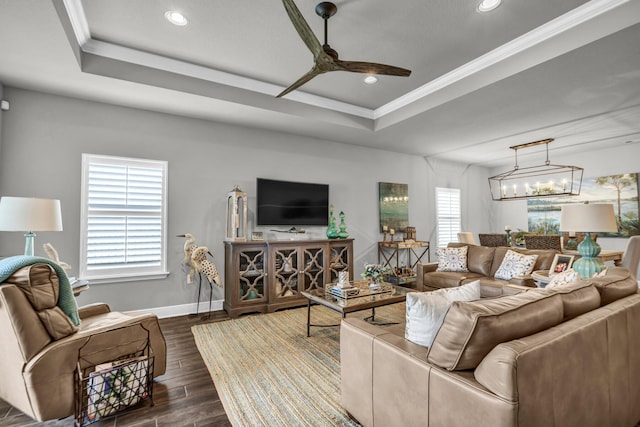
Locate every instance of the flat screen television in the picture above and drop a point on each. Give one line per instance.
(291, 203)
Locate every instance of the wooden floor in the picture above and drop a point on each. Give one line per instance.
(183, 396)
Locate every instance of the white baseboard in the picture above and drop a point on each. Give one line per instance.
(184, 309)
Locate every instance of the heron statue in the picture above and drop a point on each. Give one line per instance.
(189, 246)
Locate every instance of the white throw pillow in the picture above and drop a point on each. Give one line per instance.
(452, 259)
(601, 274)
(515, 264)
(564, 278)
(426, 310)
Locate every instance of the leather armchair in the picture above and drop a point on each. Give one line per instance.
(40, 346)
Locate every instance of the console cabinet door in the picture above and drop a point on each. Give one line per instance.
(245, 278)
(294, 267)
(340, 259)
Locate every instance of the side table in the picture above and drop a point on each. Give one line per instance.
(541, 277)
(413, 251)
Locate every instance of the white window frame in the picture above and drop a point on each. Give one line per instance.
(121, 273)
(448, 215)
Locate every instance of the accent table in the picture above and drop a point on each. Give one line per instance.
(541, 277)
(604, 256)
(353, 304)
(389, 255)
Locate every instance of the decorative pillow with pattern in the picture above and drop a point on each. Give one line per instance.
(452, 259)
(563, 279)
(515, 264)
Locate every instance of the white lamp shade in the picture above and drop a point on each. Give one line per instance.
(588, 218)
(30, 214)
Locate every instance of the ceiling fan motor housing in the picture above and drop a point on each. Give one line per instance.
(326, 9)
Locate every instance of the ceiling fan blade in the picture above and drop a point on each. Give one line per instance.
(372, 68)
(302, 80)
(302, 27)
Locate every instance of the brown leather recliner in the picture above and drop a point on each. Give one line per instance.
(40, 345)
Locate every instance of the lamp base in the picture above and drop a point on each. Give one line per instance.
(28, 243)
(572, 244)
(588, 264)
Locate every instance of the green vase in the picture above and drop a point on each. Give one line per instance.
(332, 230)
(343, 227)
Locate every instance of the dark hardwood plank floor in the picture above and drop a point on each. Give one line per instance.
(183, 396)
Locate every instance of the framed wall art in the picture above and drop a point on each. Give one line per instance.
(394, 206)
(620, 190)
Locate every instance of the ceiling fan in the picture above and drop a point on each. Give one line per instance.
(325, 58)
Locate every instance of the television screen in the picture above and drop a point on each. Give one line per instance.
(292, 203)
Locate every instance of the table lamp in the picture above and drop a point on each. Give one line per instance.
(588, 218)
(30, 214)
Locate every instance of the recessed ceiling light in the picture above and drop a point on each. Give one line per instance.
(487, 5)
(176, 18)
(371, 80)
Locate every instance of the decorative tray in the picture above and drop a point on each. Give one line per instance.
(357, 289)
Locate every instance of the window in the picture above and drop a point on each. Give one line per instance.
(123, 220)
(448, 215)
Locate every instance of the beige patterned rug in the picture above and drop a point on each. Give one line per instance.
(268, 373)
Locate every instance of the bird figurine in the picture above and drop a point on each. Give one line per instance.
(202, 264)
(53, 254)
(189, 246)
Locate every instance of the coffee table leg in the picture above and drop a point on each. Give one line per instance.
(372, 317)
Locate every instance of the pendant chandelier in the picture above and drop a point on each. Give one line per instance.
(545, 180)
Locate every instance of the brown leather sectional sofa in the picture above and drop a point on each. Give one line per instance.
(482, 262)
(568, 356)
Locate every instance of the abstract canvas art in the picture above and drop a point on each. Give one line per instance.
(394, 205)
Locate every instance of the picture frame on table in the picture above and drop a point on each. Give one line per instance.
(561, 263)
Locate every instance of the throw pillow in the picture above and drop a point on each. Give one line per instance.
(564, 278)
(515, 264)
(452, 259)
(601, 274)
(426, 310)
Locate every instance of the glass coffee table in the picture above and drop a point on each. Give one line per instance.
(363, 301)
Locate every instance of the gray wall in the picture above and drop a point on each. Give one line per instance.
(45, 135)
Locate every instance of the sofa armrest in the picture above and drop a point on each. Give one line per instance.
(421, 269)
(93, 310)
(527, 281)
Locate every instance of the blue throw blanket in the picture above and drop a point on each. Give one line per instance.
(66, 300)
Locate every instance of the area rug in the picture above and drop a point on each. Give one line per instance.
(269, 373)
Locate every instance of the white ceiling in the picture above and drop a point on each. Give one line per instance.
(528, 70)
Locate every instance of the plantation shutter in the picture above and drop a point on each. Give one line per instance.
(123, 217)
(448, 215)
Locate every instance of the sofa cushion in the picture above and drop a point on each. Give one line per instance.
(41, 285)
(543, 262)
(471, 329)
(479, 259)
(452, 259)
(515, 265)
(426, 310)
(450, 279)
(617, 283)
(57, 324)
(578, 297)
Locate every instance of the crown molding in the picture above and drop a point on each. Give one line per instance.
(520, 45)
(547, 31)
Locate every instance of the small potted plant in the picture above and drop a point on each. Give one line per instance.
(375, 273)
